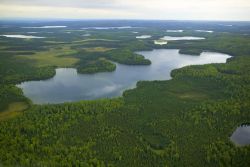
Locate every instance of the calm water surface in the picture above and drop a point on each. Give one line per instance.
(67, 85)
(241, 135)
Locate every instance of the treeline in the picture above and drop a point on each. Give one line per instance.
(99, 61)
(99, 65)
(233, 44)
(10, 93)
(15, 70)
(125, 56)
(186, 121)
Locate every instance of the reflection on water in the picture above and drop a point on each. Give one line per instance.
(68, 85)
(241, 135)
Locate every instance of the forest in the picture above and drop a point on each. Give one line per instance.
(185, 121)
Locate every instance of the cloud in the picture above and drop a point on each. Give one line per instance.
(136, 9)
(15, 11)
(65, 3)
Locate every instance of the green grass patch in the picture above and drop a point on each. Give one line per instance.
(13, 110)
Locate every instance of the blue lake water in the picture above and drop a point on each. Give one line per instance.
(241, 135)
(67, 85)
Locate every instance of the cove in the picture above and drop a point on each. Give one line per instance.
(67, 85)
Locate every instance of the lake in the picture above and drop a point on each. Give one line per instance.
(47, 27)
(175, 30)
(143, 36)
(160, 42)
(170, 38)
(241, 135)
(21, 36)
(208, 31)
(108, 28)
(67, 85)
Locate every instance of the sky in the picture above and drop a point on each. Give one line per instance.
(233, 10)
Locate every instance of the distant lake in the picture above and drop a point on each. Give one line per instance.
(175, 30)
(21, 36)
(208, 31)
(67, 85)
(143, 36)
(241, 135)
(47, 27)
(170, 38)
(160, 42)
(108, 28)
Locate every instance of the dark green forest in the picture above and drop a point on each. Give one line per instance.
(185, 121)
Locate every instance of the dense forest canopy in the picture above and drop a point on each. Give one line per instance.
(185, 121)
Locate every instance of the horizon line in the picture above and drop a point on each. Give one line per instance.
(112, 19)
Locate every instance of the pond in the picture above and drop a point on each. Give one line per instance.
(67, 85)
(241, 135)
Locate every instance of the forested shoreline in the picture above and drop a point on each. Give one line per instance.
(185, 121)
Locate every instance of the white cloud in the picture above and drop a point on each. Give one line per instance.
(58, 12)
(135, 9)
